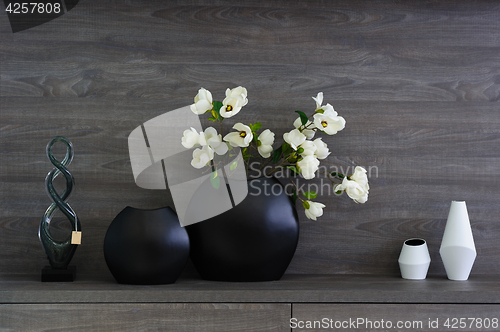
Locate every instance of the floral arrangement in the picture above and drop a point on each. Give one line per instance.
(298, 153)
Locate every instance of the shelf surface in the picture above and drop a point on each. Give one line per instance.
(290, 289)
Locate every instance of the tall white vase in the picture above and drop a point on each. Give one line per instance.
(458, 251)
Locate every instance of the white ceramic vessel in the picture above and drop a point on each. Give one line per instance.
(458, 251)
(414, 259)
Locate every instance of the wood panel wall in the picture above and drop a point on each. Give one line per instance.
(417, 82)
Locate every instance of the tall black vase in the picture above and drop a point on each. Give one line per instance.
(254, 241)
(146, 247)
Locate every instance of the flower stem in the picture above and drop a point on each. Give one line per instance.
(297, 190)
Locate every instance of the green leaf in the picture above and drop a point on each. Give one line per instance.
(294, 169)
(277, 154)
(294, 158)
(339, 175)
(217, 106)
(286, 148)
(211, 119)
(294, 196)
(233, 165)
(256, 126)
(306, 205)
(303, 117)
(310, 194)
(215, 180)
(300, 150)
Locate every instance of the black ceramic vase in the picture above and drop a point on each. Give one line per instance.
(146, 247)
(254, 241)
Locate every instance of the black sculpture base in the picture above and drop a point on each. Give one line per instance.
(50, 274)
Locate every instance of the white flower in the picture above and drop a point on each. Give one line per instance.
(201, 157)
(315, 210)
(329, 121)
(214, 140)
(318, 100)
(241, 138)
(309, 148)
(309, 132)
(321, 149)
(266, 139)
(238, 92)
(294, 138)
(329, 110)
(308, 166)
(202, 102)
(234, 101)
(231, 106)
(354, 190)
(360, 177)
(191, 138)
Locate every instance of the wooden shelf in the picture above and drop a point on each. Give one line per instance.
(20, 289)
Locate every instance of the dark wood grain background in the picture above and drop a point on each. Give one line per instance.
(417, 82)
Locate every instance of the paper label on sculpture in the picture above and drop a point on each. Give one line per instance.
(76, 237)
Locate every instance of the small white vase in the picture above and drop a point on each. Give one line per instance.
(414, 259)
(458, 251)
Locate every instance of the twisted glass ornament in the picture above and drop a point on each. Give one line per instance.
(59, 253)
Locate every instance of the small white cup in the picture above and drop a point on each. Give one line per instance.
(414, 259)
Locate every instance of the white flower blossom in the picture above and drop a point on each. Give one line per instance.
(318, 100)
(235, 99)
(309, 132)
(360, 177)
(309, 148)
(329, 121)
(329, 110)
(294, 138)
(266, 139)
(315, 210)
(214, 140)
(358, 192)
(242, 138)
(201, 157)
(192, 138)
(321, 149)
(308, 166)
(202, 102)
(238, 92)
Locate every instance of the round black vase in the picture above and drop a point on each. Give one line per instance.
(254, 241)
(146, 247)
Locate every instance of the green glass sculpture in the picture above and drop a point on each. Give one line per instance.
(59, 253)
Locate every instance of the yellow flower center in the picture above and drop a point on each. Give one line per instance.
(243, 134)
(324, 124)
(229, 108)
